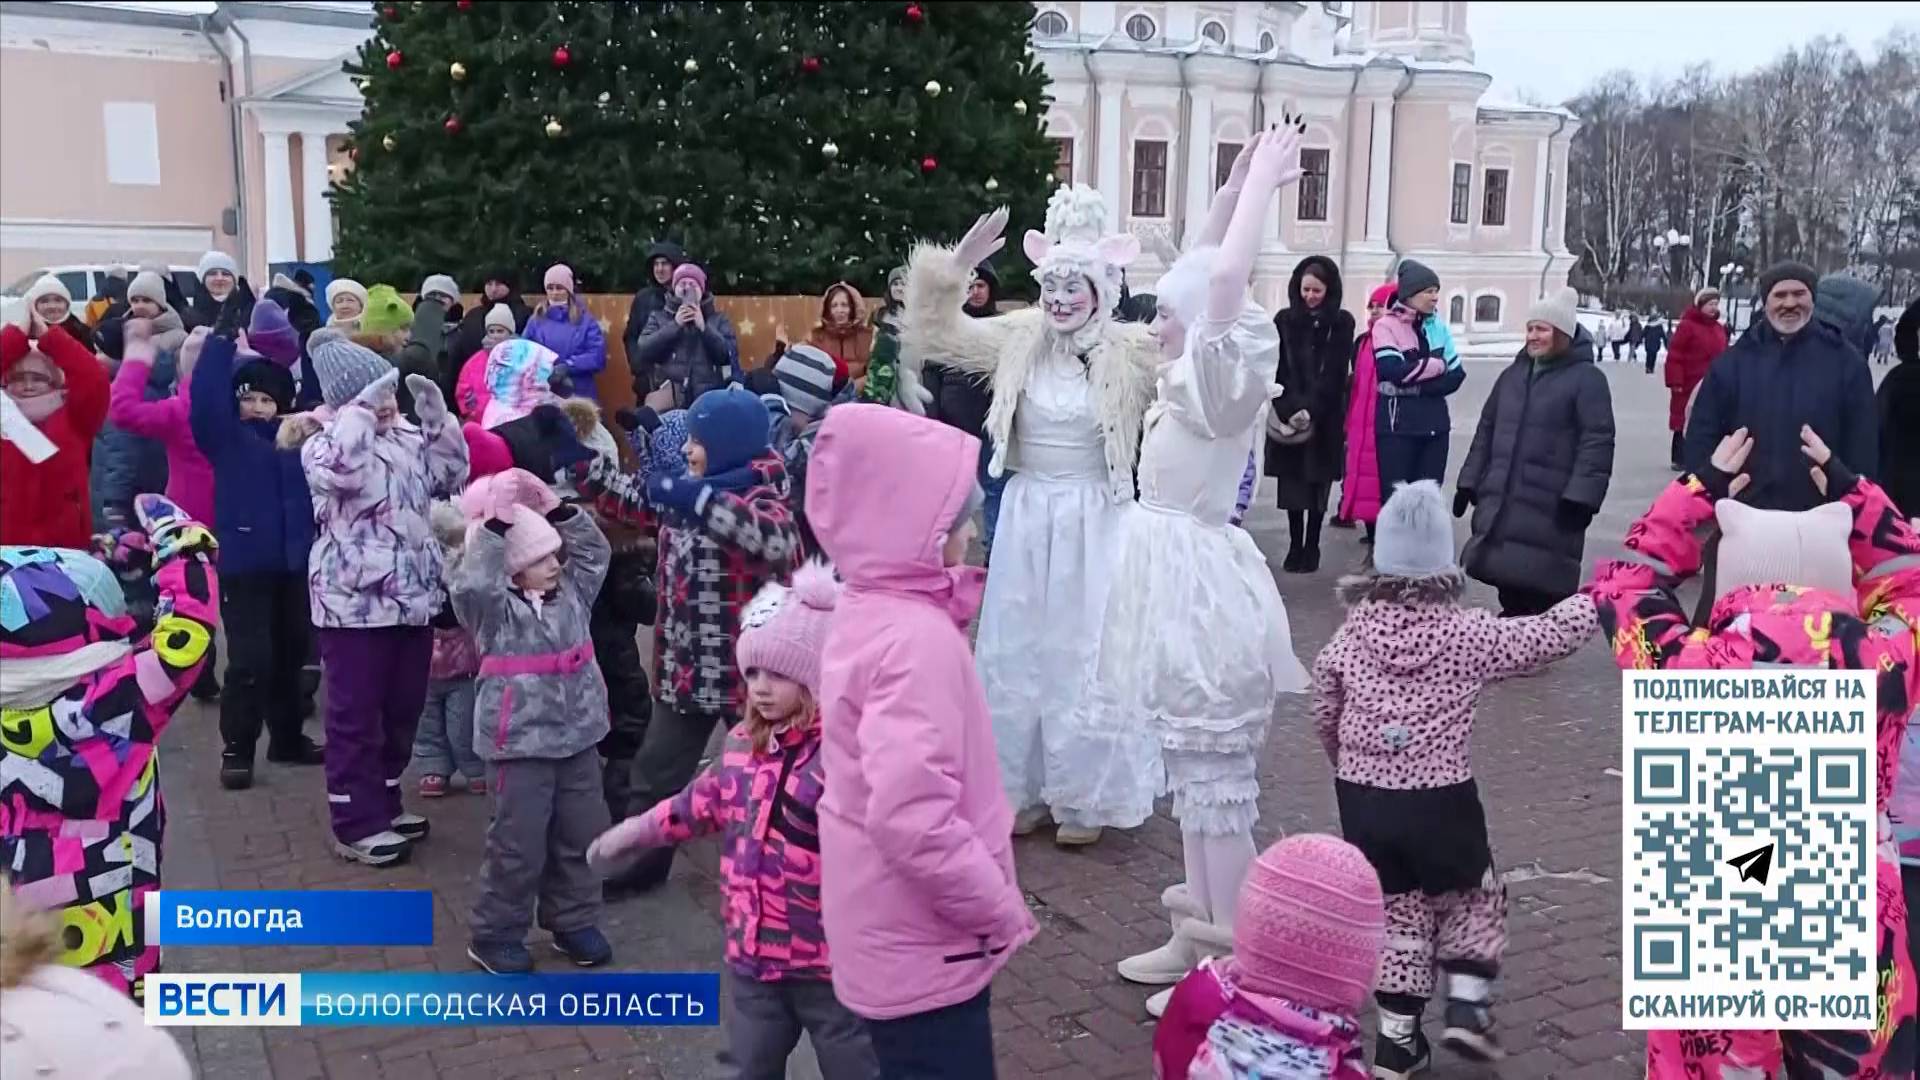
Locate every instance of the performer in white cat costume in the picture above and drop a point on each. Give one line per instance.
(1070, 387)
(1195, 649)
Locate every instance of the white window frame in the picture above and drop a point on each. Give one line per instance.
(131, 130)
(1506, 205)
(1064, 17)
(1226, 37)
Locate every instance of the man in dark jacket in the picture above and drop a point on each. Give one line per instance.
(663, 258)
(1900, 416)
(1790, 369)
(961, 400)
(1541, 461)
(501, 287)
(1654, 337)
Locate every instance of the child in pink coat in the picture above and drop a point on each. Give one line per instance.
(1306, 948)
(918, 891)
(189, 474)
(764, 794)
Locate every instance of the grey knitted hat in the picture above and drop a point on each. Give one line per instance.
(344, 368)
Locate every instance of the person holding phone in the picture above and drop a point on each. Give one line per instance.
(689, 343)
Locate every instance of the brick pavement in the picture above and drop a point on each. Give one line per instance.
(1544, 751)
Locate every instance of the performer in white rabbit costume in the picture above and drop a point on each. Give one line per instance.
(1196, 649)
(1070, 387)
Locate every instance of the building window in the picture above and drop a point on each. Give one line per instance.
(1063, 160)
(1266, 41)
(133, 142)
(1462, 194)
(1493, 207)
(1486, 309)
(1213, 30)
(1141, 28)
(1051, 24)
(1312, 205)
(1223, 155)
(1457, 311)
(1149, 178)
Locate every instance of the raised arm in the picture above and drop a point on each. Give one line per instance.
(588, 553)
(1275, 164)
(130, 410)
(931, 323)
(86, 380)
(215, 420)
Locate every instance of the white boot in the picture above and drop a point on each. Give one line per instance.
(1168, 963)
(1204, 939)
(1026, 821)
(385, 848)
(1157, 1004)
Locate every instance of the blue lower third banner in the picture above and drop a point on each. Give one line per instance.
(406, 999)
(290, 917)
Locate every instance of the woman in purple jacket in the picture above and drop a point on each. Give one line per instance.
(564, 325)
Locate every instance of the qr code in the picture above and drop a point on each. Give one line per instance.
(1748, 849)
(1798, 924)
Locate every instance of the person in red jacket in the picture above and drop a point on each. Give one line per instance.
(56, 393)
(1696, 341)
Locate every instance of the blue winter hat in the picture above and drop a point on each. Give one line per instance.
(732, 424)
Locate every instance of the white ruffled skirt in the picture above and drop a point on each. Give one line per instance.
(1195, 650)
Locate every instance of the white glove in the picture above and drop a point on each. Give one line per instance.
(429, 404)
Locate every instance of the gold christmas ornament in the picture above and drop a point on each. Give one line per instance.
(458, 71)
(992, 184)
(691, 67)
(389, 142)
(554, 130)
(1020, 107)
(829, 150)
(932, 88)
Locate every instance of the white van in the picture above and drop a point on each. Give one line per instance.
(87, 281)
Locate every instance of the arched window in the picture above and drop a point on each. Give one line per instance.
(1141, 28)
(1266, 41)
(1457, 311)
(1486, 309)
(1214, 31)
(1051, 24)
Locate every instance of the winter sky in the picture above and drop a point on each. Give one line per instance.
(1553, 50)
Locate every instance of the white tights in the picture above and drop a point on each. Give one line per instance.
(1216, 865)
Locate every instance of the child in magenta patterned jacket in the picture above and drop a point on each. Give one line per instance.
(763, 792)
(1394, 695)
(1306, 950)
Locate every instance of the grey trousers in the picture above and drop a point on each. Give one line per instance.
(764, 1021)
(444, 741)
(545, 813)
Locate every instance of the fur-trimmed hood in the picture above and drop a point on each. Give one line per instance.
(1372, 585)
(296, 429)
(1405, 623)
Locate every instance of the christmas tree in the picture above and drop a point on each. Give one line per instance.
(784, 145)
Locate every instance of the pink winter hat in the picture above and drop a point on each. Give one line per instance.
(487, 453)
(1311, 924)
(687, 271)
(784, 630)
(529, 539)
(560, 274)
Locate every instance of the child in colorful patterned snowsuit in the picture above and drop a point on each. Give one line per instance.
(1394, 695)
(539, 715)
(82, 706)
(763, 793)
(1306, 949)
(1835, 587)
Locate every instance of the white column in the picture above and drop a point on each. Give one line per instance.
(1107, 176)
(279, 192)
(317, 211)
(1199, 163)
(1380, 171)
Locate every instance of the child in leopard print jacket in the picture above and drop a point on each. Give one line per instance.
(1394, 695)
(763, 793)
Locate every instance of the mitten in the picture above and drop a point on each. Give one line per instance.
(381, 391)
(685, 494)
(613, 849)
(1462, 499)
(170, 530)
(429, 404)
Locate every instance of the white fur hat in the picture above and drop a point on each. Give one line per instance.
(48, 285)
(1414, 536)
(1073, 243)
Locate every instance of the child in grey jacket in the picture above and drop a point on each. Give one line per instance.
(539, 714)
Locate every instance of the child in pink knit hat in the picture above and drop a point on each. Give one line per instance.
(769, 771)
(541, 711)
(1306, 947)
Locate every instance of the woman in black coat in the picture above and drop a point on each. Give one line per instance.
(1541, 460)
(1899, 401)
(1308, 451)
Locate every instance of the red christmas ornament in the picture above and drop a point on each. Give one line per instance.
(914, 14)
(810, 65)
(465, 5)
(453, 125)
(928, 164)
(390, 11)
(394, 60)
(561, 57)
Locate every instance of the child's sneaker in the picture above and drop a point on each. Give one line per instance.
(1395, 1060)
(411, 826)
(385, 848)
(1469, 1031)
(433, 787)
(586, 947)
(477, 786)
(500, 957)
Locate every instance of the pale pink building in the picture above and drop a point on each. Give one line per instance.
(152, 132)
(1406, 155)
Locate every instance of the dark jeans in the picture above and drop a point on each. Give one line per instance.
(993, 488)
(1406, 458)
(1653, 355)
(265, 616)
(950, 1043)
(1518, 600)
(669, 755)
